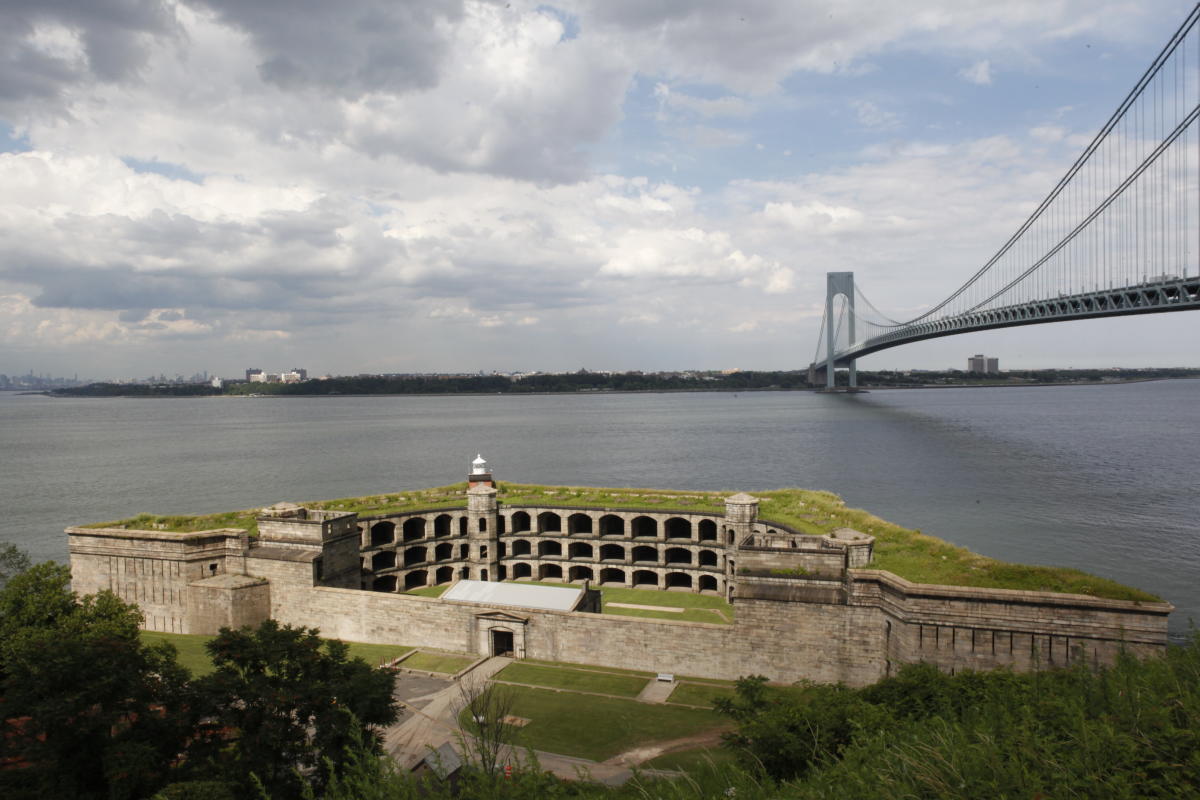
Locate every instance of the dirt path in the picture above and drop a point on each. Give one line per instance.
(640, 755)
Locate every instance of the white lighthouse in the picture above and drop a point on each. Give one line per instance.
(480, 474)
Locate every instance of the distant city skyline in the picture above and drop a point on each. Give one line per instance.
(459, 185)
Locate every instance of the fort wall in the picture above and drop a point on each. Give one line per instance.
(153, 568)
(806, 607)
(785, 641)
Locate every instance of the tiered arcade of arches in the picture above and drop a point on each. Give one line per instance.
(603, 546)
(699, 552)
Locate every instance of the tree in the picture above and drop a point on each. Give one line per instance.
(786, 735)
(13, 561)
(486, 732)
(88, 710)
(283, 701)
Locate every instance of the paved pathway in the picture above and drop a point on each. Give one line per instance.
(656, 691)
(430, 720)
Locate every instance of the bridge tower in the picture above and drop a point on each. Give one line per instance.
(838, 283)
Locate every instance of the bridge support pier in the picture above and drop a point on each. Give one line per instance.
(838, 283)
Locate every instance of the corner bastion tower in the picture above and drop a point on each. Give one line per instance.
(804, 606)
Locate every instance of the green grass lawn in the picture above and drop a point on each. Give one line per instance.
(699, 694)
(573, 679)
(429, 591)
(375, 654)
(697, 607)
(433, 661)
(189, 646)
(600, 727)
(193, 655)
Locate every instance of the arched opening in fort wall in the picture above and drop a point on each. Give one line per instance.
(383, 533)
(414, 529)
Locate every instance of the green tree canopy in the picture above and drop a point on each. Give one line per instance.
(284, 700)
(88, 710)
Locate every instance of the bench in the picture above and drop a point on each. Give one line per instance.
(666, 676)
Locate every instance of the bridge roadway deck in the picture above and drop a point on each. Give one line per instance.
(1174, 294)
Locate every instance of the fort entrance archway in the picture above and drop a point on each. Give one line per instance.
(502, 642)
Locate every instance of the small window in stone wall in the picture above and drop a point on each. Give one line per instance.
(483, 551)
(212, 569)
(483, 524)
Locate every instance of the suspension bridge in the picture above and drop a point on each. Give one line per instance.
(1119, 234)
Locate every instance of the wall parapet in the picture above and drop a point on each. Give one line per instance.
(1011, 610)
(1012, 596)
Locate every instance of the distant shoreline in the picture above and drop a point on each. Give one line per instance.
(577, 392)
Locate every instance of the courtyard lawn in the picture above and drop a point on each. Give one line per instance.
(435, 661)
(598, 728)
(193, 655)
(697, 607)
(573, 679)
(429, 591)
(699, 694)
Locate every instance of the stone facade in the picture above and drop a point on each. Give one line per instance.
(806, 607)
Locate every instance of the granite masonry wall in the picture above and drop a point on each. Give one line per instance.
(153, 568)
(785, 641)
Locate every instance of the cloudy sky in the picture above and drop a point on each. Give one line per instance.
(449, 185)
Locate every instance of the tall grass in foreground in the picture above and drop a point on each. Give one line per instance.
(1129, 731)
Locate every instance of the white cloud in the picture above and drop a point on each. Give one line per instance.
(723, 106)
(979, 73)
(872, 116)
(814, 216)
(1048, 133)
(404, 172)
(753, 46)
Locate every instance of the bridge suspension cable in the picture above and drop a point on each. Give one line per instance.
(1119, 233)
(1138, 121)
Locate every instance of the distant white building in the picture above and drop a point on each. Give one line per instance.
(983, 364)
(255, 375)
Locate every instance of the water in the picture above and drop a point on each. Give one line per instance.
(1103, 478)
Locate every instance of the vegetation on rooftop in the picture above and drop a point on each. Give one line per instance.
(911, 554)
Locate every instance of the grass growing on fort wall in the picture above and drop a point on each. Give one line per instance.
(183, 523)
(910, 554)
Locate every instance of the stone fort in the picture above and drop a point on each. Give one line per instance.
(806, 607)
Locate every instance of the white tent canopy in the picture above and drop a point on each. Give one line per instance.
(521, 595)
